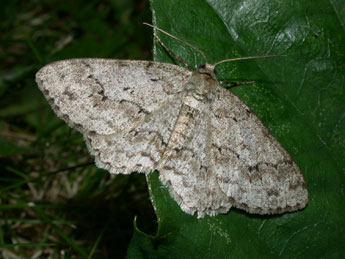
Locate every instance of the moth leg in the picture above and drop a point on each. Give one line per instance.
(170, 52)
(234, 84)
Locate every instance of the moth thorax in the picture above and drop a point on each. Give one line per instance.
(190, 86)
(209, 67)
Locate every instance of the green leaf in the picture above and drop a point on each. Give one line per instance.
(300, 98)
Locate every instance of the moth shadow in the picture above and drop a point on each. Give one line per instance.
(256, 216)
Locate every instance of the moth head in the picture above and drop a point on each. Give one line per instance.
(207, 69)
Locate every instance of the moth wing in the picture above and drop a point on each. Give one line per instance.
(187, 171)
(109, 101)
(251, 166)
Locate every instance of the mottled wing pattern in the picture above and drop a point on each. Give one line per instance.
(211, 150)
(251, 166)
(125, 109)
(187, 170)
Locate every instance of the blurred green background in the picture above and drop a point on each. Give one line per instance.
(53, 200)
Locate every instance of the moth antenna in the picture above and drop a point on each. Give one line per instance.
(169, 51)
(242, 58)
(174, 37)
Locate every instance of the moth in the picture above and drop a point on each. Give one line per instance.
(211, 151)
